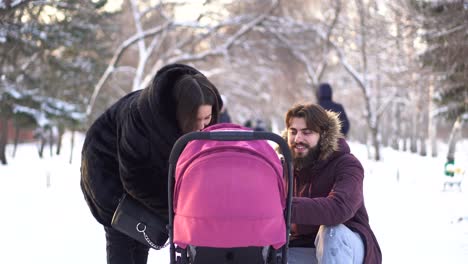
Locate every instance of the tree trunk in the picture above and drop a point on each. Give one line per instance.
(452, 143)
(433, 138)
(61, 131)
(72, 145)
(396, 127)
(3, 139)
(376, 143)
(423, 135)
(15, 144)
(413, 144)
(51, 142)
(432, 125)
(42, 143)
(368, 144)
(424, 113)
(397, 133)
(413, 136)
(423, 150)
(405, 130)
(386, 130)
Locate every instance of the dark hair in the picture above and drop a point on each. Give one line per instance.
(191, 92)
(315, 116)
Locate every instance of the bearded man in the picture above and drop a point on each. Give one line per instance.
(330, 223)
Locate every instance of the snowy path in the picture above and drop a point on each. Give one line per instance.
(45, 219)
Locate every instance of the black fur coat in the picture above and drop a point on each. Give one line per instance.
(127, 148)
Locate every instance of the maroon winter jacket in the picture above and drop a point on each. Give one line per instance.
(335, 184)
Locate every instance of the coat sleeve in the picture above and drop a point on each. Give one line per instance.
(340, 205)
(141, 171)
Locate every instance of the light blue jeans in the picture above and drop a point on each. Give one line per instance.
(333, 245)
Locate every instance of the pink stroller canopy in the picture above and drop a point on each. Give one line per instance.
(229, 194)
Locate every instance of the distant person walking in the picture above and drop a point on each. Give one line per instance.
(260, 125)
(325, 100)
(248, 123)
(224, 116)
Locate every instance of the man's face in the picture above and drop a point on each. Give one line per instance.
(301, 140)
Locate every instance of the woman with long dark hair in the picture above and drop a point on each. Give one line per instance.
(127, 148)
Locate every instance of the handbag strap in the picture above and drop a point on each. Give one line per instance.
(141, 228)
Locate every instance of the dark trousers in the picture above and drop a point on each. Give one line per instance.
(122, 249)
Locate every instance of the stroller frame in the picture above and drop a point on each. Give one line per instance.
(274, 256)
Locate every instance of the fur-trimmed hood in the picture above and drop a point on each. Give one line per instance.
(156, 107)
(329, 138)
(156, 101)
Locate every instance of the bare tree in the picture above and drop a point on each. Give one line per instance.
(373, 108)
(192, 41)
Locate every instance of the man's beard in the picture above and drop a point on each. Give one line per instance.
(309, 159)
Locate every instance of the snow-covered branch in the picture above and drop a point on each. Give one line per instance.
(350, 69)
(141, 45)
(300, 56)
(9, 4)
(246, 28)
(388, 101)
(221, 50)
(438, 34)
(117, 55)
(29, 61)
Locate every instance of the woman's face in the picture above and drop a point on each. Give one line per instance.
(203, 117)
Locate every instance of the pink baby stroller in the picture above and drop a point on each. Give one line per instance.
(228, 203)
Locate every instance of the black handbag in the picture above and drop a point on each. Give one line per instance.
(138, 222)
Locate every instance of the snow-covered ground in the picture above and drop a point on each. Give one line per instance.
(44, 218)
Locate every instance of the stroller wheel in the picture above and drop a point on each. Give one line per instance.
(274, 256)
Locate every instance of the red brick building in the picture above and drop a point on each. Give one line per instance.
(25, 135)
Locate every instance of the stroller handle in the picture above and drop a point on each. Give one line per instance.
(228, 135)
